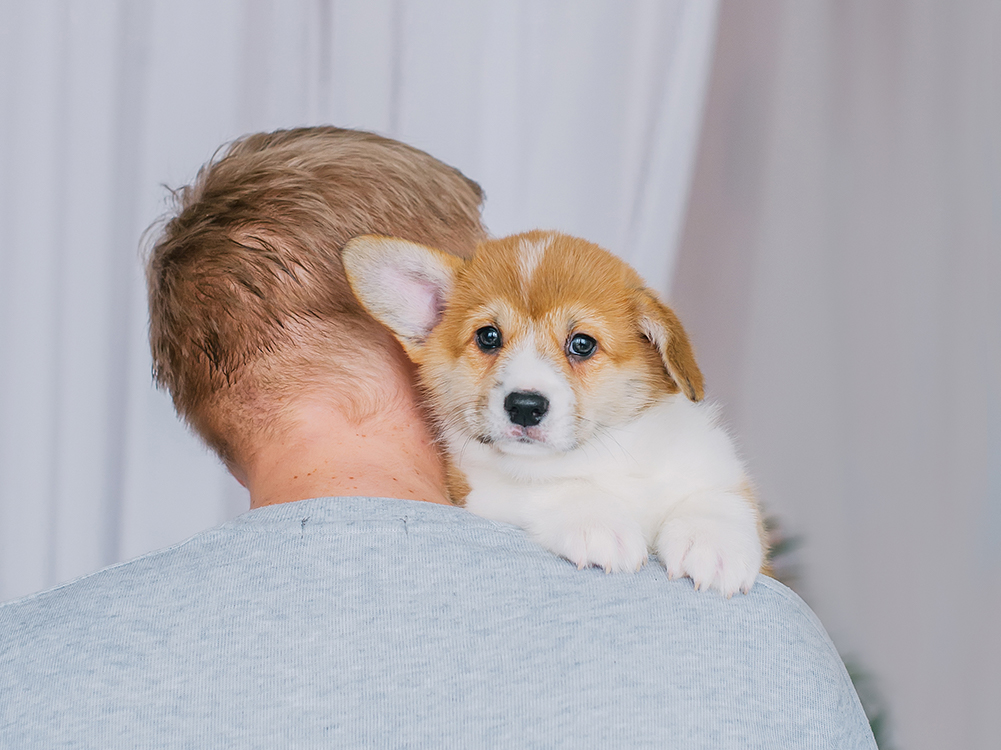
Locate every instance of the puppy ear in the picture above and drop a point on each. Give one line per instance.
(402, 284)
(661, 326)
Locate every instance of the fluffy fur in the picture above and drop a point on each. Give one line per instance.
(622, 456)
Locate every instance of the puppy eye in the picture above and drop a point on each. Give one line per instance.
(488, 338)
(582, 345)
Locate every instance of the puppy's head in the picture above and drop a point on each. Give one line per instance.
(534, 345)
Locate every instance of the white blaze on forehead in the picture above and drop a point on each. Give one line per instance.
(530, 255)
(527, 369)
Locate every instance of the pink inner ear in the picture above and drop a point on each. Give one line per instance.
(418, 299)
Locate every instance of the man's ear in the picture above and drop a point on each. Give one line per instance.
(402, 284)
(661, 326)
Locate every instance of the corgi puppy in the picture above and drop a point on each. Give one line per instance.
(569, 403)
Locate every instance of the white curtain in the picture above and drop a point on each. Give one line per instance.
(581, 116)
(841, 275)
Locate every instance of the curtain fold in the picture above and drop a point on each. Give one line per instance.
(576, 116)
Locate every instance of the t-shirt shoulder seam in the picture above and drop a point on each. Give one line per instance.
(792, 598)
(114, 566)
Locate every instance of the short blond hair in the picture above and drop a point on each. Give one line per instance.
(247, 295)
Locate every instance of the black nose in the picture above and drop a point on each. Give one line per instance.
(526, 409)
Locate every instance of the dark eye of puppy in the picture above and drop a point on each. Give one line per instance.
(488, 339)
(581, 345)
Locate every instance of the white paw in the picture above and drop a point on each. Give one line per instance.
(615, 546)
(715, 552)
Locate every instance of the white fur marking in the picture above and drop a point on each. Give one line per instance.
(531, 256)
(527, 369)
(675, 478)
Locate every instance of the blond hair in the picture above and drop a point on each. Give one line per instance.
(248, 299)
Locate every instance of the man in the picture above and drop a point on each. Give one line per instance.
(353, 606)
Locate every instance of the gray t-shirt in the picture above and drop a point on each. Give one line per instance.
(361, 622)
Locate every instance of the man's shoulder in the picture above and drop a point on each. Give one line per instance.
(341, 544)
(410, 559)
(449, 628)
(401, 555)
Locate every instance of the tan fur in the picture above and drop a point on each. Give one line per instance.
(748, 493)
(455, 483)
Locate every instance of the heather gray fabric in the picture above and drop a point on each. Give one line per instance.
(359, 622)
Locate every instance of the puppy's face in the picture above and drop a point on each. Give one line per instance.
(534, 345)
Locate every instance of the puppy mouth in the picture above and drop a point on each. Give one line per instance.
(515, 436)
(530, 441)
(526, 435)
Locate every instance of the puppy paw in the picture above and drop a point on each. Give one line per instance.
(616, 547)
(715, 552)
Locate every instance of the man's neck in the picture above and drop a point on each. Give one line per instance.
(327, 454)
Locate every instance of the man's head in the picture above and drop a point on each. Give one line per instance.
(249, 305)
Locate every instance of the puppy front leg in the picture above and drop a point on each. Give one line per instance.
(587, 529)
(713, 538)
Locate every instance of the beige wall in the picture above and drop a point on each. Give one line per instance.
(840, 271)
